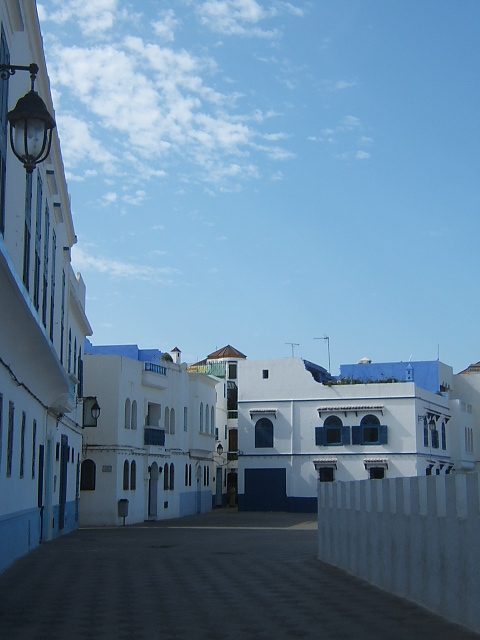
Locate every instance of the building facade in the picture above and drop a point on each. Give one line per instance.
(151, 455)
(297, 424)
(42, 319)
(222, 364)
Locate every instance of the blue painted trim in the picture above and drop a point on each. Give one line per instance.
(294, 505)
(19, 534)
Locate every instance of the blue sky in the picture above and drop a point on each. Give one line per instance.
(264, 172)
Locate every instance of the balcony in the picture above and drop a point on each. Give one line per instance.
(217, 369)
(154, 436)
(154, 375)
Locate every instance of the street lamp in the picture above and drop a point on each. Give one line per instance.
(31, 124)
(91, 411)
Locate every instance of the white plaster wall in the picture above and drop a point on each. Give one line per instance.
(414, 537)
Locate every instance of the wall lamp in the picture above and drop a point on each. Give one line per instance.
(31, 124)
(91, 411)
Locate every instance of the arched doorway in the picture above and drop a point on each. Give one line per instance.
(153, 490)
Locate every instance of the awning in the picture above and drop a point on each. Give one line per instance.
(263, 412)
(352, 408)
(375, 462)
(325, 462)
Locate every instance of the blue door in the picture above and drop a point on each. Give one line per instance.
(265, 490)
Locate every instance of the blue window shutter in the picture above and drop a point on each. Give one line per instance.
(382, 436)
(345, 435)
(357, 435)
(320, 436)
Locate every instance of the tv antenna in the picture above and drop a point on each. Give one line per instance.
(328, 349)
(293, 345)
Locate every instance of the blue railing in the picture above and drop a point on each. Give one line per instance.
(155, 368)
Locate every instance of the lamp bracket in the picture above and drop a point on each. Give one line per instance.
(8, 70)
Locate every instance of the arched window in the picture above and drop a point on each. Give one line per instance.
(263, 433)
(134, 415)
(207, 419)
(370, 431)
(167, 420)
(126, 475)
(444, 437)
(69, 360)
(87, 479)
(165, 477)
(172, 477)
(186, 475)
(189, 475)
(201, 417)
(333, 430)
(75, 358)
(172, 420)
(133, 475)
(212, 420)
(127, 413)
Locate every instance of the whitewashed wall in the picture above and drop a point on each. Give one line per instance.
(414, 537)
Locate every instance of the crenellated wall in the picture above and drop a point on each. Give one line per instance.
(417, 537)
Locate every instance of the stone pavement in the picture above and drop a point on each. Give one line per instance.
(223, 575)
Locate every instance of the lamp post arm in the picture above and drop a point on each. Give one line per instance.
(7, 70)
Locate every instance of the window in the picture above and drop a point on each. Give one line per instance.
(27, 234)
(189, 475)
(52, 285)
(326, 474)
(127, 413)
(232, 370)
(263, 433)
(126, 475)
(207, 419)
(1, 429)
(172, 421)
(46, 250)
(435, 439)
(11, 419)
(376, 473)
(185, 418)
(134, 415)
(444, 437)
(22, 444)
(165, 477)
(370, 431)
(425, 432)
(201, 417)
(133, 475)
(212, 420)
(333, 430)
(333, 433)
(4, 59)
(87, 478)
(38, 243)
(186, 475)
(265, 374)
(34, 446)
(172, 477)
(166, 419)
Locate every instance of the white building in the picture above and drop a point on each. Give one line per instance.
(222, 364)
(42, 319)
(296, 424)
(152, 452)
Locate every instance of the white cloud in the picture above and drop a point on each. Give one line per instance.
(236, 17)
(109, 198)
(292, 9)
(165, 26)
(135, 200)
(79, 145)
(362, 155)
(93, 17)
(85, 262)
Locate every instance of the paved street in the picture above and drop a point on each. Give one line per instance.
(215, 576)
